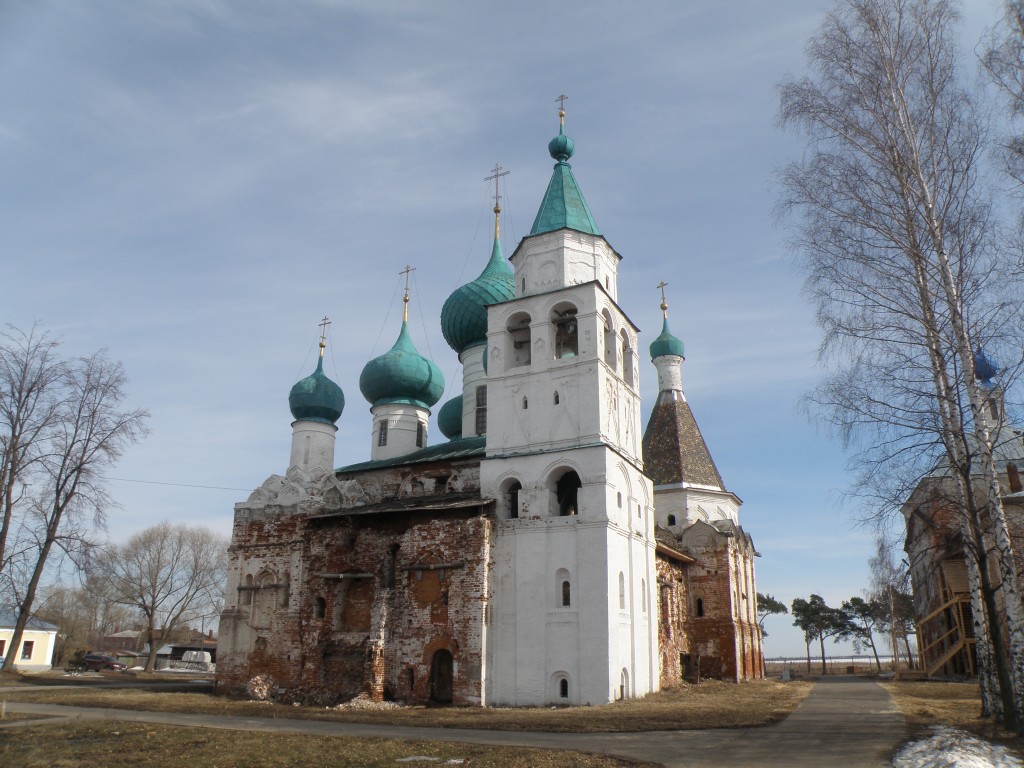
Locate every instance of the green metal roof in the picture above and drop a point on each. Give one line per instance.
(667, 344)
(461, 448)
(402, 375)
(464, 315)
(563, 206)
(316, 398)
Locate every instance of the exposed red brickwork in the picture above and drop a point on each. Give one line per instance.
(373, 597)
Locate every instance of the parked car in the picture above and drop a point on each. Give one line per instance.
(98, 661)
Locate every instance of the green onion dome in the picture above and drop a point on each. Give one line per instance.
(316, 398)
(464, 315)
(561, 148)
(402, 375)
(449, 418)
(667, 344)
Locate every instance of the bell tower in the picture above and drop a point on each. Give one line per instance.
(574, 574)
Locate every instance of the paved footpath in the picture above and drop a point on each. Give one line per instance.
(845, 721)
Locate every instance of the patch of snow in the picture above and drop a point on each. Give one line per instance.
(952, 748)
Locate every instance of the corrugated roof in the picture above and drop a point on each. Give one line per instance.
(674, 449)
(461, 448)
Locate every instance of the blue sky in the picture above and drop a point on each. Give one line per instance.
(193, 184)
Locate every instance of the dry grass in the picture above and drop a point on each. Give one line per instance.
(711, 704)
(933, 702)
(131, 745)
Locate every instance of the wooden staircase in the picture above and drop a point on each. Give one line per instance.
(951, 626)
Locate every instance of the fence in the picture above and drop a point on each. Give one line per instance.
(834, 665)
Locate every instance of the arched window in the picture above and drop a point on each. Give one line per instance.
(421, 434)
(624, 683)
(567, 493)
(382, 435)
(610, 357)
(512, 498)
(618, 499)
(519, 341)
(320, 608)
(563, 589)
(563, 688)
(698, 607)
(526, 403)
(622, 591)
(247, 592)
(563, 319)
(671, 519)
(556, 398)
(627, 360)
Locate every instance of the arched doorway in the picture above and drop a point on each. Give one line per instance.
(441, 677)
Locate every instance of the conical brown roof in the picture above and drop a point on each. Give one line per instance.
(674, 449)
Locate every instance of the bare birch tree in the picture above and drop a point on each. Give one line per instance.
(170, 574)
(58, 496)
(898, 239)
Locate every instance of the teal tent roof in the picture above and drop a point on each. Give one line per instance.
(667, 344)
(316, 398)
(563, 206)
(449, 418)
(464, 315)
(402, 375)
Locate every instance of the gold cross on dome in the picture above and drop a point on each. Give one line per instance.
(497, 173)
(323, 333)
(405, 299)
(664, 304)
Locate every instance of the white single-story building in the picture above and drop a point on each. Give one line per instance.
(37, 643)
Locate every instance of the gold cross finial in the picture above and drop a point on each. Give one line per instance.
(561, 109)
(664, 304)
(323, 334)
(498, 173)
(405, 298)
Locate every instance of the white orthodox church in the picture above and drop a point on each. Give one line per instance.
(549, 552)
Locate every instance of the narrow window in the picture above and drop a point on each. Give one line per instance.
(627, 360)
(618, 498)
(566, 596)
(410, 678)
(419, 434)
(524, 285)
(609, 341)
(1013, 476)
(563, 688)
(513, 499)
(481, 410)
(247, 594)
(699, 607)
(622, 591)
(526, 404)
(671, 519)
(638, 511)
(556, 398)
(320, 609)
(643, 595)
(26, 649)
(382, 436)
